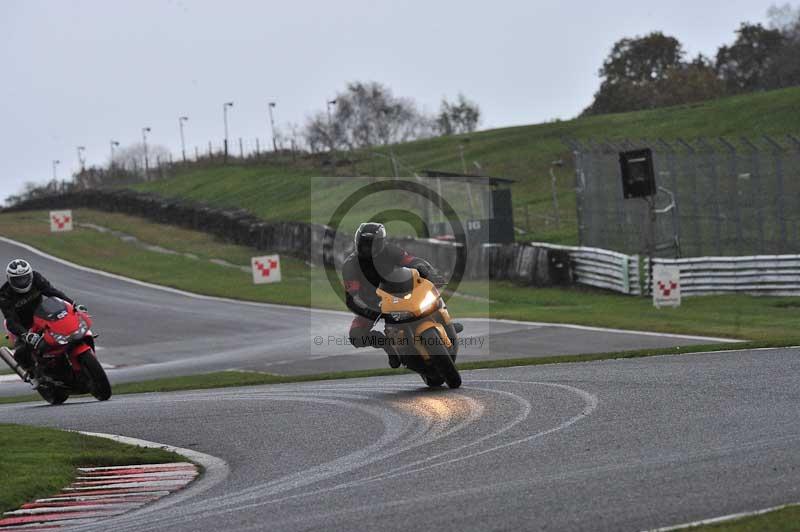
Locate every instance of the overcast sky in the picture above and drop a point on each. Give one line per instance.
(84, 72)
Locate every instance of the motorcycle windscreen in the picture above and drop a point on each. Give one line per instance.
(57, 315)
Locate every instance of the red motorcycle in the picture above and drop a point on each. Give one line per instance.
(65, 361)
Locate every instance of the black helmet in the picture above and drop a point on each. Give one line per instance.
(20, 275)
(370, 239)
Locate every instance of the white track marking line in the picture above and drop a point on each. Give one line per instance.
(138, 466)
(336, 312)
(125, 485)
(603, 329)
(723, 518)
(78, 497)
(154, 476)
(110, 508)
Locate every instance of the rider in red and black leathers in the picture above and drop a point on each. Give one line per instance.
(19, 297)
(362, 272)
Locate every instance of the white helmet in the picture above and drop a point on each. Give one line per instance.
(20, 275)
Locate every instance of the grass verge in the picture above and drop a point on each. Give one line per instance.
(37, 462)
(783, 520)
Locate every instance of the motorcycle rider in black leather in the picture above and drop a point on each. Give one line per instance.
(19, 298)
(362, 271)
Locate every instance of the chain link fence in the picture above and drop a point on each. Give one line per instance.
(717, 197)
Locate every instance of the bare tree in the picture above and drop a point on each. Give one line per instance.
(461, 116)
(367, 114)
(131, 158)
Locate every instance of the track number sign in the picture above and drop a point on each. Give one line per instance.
(266, 269)
(666, 286)
(60, 221)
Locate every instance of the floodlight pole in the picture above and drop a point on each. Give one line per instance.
(145, 130)
(181, 120)
(330, 135)
(225, 107)
(81, 157)
(113, 143)
(272, 126)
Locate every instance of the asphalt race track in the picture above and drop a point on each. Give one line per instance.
(149, 333)
(613, 445)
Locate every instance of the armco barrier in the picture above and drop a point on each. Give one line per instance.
(774, 275)
(602, 268)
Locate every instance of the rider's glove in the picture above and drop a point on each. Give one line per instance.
(32, 339)
(424, 271)
(377, 339)
(80, 308)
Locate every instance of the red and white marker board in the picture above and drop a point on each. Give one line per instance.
(266, 269)
(666, 286)
(60, 221)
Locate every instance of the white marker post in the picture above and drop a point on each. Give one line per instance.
(60, 221)
(666, 286)
(266, 269)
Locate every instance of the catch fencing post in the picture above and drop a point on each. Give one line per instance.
(756, 191)
(711, 160)
(777, 156)
(733, 159)
(691, 170)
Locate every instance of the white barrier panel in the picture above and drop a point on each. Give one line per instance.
(266, 269)
(666, 286)
(602, 268)
(60, 221)
(773, 275)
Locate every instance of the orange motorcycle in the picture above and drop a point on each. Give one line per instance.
(418, 327)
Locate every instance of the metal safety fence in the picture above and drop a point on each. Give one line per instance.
(731, 197)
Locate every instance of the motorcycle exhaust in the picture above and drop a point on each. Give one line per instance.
(8, 358)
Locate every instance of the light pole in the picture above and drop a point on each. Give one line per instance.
(56, 162)
(82, 157)
(145, 131)
(330, 135)
(181, 120)
(272, 126)
(113, 143)
(225, 119)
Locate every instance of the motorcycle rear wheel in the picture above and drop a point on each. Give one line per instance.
(99, 386)
(53, 395)
(440, 357)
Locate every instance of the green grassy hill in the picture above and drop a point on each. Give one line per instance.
(284, 191)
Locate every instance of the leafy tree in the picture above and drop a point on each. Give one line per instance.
(687, 83)
(637, 74)
(749, 63)
(642, 60)
(785, 71)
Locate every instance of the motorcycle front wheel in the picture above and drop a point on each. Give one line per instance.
(53, 395)
(94, 373)
(440, 357)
